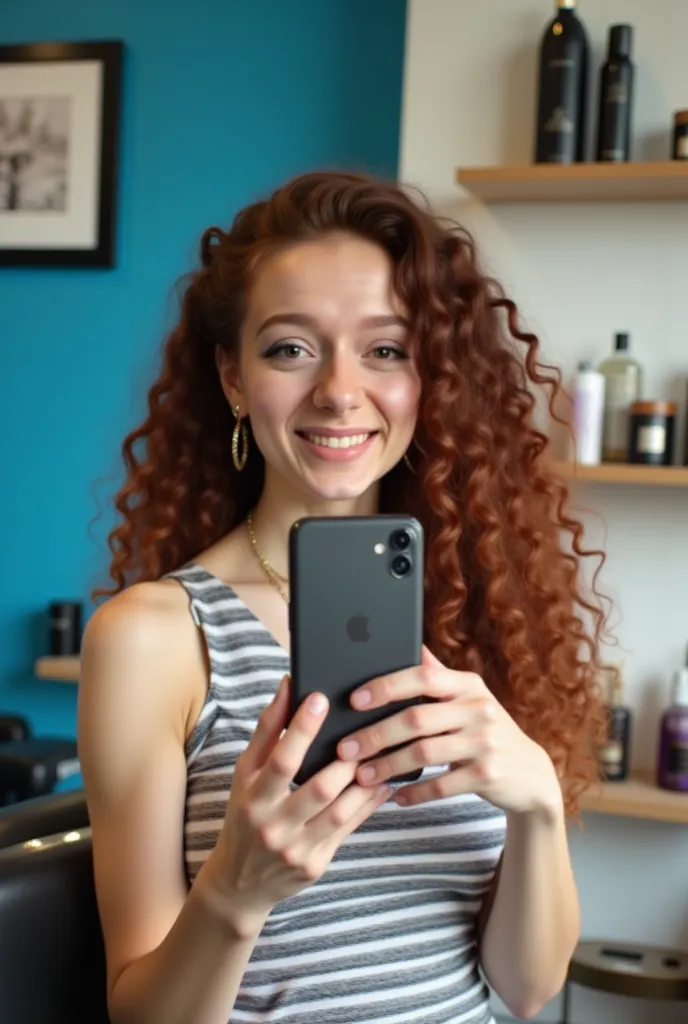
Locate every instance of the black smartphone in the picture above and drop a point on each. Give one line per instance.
(355, 612)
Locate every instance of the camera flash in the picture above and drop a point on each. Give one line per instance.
(379, 549)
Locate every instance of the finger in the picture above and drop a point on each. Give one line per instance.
(344, 816)
(402, 727)
(414, 722)
(466, 779)
(320, 792)
(271, 723)
(424, 680)
(424, 753)
(287, 755)
(428, 658)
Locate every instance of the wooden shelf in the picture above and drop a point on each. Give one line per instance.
(637, 798)
(61, 669)
(655, 181)
(616, 473)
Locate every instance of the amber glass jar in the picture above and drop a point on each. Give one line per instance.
(651, 434)
(680, 151)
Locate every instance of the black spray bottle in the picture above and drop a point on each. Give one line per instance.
(616, 98)
(562, 88)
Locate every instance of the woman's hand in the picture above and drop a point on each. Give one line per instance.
(276, 841)
(463, 726)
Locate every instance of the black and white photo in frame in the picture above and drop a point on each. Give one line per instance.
(59, 126)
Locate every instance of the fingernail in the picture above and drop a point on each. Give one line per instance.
(349, 748)
(401, 799)
(361, 699)
(317, 703)
(384, 792)
(367, 774)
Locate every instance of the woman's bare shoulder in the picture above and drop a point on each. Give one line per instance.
(145, 617)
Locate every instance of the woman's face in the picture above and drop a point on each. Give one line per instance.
(326, 371)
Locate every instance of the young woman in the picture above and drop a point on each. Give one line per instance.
(338, 351)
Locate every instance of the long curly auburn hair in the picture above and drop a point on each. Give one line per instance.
(504, 590)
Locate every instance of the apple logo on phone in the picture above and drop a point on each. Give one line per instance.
(357, 628)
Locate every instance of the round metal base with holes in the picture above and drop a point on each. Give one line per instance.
(628, 969)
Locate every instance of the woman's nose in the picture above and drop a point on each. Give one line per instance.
(339, 387)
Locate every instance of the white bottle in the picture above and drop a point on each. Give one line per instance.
(588, 415)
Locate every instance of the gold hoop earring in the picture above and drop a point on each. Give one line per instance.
(240, 433)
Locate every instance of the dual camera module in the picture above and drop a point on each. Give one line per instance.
(400, 541)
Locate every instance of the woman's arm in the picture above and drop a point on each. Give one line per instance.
(530, 921)
(175, 956)
(171, 955)
(193, 975)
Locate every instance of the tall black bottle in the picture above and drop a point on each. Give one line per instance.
(563, 89)
(616, 98)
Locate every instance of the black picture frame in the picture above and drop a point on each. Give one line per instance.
(68, 217)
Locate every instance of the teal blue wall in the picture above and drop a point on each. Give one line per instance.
(223, 99)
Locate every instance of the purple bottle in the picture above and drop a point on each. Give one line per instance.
(673, 746)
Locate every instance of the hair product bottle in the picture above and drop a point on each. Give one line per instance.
(679, 149)
(562, 89)
(673, 737)
(685, 431)
(614, 753)
(623, 386)
(588, 415)
(616, 98)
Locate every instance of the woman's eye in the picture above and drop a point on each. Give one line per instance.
(388, 353)
(286, 350)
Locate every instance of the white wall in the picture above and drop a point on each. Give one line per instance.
(579, 273)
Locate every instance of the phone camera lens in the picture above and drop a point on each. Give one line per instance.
(401, 566)
(400, 540)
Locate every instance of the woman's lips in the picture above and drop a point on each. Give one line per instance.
(338, 446)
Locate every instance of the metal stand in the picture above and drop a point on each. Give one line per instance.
(566, 1003)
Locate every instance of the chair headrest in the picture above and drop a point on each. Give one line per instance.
(52, 961)
(41, 816)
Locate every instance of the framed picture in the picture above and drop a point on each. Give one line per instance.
(59, 126)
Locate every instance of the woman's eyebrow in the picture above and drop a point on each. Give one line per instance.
(305, 320)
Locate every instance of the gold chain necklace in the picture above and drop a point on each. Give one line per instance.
(276, 579)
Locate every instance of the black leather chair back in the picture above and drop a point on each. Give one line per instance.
(14, 728)
(42, 816)
(52, 959)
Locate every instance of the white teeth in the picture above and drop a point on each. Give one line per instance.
(337, 442)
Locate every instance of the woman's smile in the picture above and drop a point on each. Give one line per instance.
(337, 445)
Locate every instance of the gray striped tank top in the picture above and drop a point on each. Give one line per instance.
(387, 935)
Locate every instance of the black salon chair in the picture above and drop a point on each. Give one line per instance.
(32, 766)
(52, 960)
(13, 728)
(42, 816)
